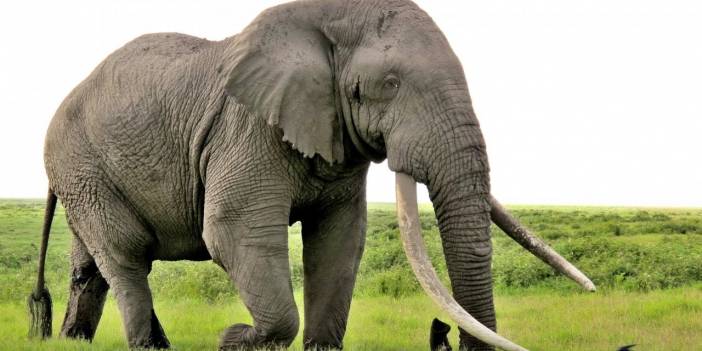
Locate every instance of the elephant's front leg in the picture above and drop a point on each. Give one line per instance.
(254, 252)
(333, 244)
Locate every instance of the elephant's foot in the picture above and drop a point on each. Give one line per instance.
(157, 338)
(245, 337)
(238, 337)
(315, 346)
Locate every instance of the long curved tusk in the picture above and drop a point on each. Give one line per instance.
(535, 245)
(416, 251)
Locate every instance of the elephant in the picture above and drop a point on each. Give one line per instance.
(181, 148)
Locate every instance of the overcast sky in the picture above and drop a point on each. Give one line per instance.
(581, 102)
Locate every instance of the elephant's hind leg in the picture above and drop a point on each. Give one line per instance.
(119, 243)
(134, 300)
(88, 290)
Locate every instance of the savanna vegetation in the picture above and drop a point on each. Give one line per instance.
(647, 264)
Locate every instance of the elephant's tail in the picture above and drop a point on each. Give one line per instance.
(39, 302)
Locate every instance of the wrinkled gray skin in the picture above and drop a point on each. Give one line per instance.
(178, 148)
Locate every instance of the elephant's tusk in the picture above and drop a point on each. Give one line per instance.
(410, 230)
(535, 245)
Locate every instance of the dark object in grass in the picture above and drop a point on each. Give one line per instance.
(626, 348)
(438, 337)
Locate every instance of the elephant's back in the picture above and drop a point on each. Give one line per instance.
(130, 85)
(131, 100)
(154, 53)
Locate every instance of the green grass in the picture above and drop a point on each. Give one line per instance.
(660, 320)
(647, 264)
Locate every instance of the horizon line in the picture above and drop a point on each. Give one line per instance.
(571, 205)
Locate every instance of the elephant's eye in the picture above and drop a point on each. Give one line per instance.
(356, 92)
(391, 84)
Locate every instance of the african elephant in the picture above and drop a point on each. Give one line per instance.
(177, 147)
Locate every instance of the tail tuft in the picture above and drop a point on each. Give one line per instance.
(39, 303)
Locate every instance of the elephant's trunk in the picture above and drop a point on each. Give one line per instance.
(468, 259)
(463, 216)
(452, 161)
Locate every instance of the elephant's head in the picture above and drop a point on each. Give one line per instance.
(378, 79)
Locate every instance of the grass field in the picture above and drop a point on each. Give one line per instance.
(647, 264)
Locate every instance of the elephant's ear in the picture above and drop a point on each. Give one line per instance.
(282, 72)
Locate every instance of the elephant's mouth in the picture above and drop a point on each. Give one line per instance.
(410, 229)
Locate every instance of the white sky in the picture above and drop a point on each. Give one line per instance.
(581, 102)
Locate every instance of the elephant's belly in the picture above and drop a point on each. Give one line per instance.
(182, 247)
